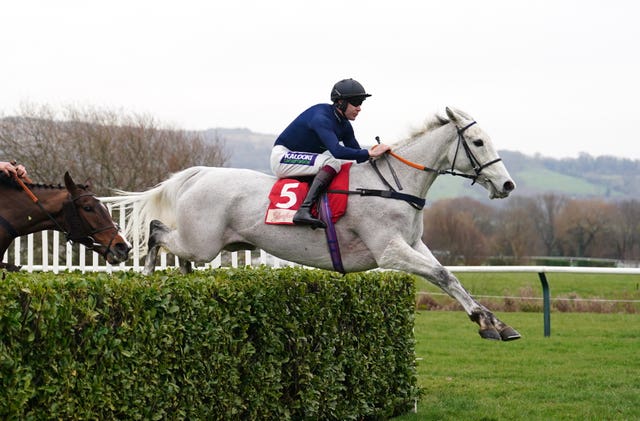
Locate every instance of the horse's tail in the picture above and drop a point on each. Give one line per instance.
(158, 203)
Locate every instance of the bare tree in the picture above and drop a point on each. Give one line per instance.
(517, 238)
(581, 224)
(624, 232)
(544, 212)
(451, 227)
(112, 149)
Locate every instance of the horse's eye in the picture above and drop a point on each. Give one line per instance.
(87, 208)
(478, 142)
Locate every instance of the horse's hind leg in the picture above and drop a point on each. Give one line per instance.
(10, 267)
(159, 235)
(156, 230)
(185, 266)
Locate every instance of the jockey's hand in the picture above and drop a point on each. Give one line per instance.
(378, 150)
(21, 171)
(11, 169)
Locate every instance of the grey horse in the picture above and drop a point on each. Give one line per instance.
(200, 211)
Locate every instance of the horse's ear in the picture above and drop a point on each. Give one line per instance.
(452, 116)
(69, 184)
(88, 183)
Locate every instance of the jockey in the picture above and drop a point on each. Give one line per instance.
(11, 169)
(316, 141)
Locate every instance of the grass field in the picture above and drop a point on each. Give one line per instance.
(588, 369)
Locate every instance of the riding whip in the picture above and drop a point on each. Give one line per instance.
(35, 199)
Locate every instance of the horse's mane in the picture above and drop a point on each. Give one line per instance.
(431, 123)
(10, 183)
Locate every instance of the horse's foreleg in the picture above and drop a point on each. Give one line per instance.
(420, 261)
(490, 326)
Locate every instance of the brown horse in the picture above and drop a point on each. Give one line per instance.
(72, 209)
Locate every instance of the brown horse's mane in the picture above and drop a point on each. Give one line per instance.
(10, 182)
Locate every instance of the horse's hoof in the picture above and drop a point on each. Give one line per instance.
(509, 334)
(489, 333)
(10, 267)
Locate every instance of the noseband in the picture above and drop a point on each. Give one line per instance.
(477, 167)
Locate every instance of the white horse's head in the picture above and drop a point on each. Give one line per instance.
(475, 156)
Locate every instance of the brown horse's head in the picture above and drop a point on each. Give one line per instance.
(90, 223)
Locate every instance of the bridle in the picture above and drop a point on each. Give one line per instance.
(79, 230)
(475, 163)
(415, 201)
(477, 166)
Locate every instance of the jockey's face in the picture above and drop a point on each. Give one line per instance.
(352, 111)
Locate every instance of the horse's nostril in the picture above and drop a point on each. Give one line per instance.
(122, 248)
(508, 186)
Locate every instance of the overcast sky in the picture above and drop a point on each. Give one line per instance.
(551, 77)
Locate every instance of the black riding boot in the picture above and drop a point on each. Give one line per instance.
(303, 216)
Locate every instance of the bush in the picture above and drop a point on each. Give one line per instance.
(225, 344)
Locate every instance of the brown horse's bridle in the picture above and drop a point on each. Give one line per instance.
(79, 231)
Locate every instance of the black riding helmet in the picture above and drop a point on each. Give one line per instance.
(348, 88)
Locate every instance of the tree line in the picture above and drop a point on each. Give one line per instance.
(468, 232)
(111, 149)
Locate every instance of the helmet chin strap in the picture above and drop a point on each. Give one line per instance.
(339, 107)
(342, 105)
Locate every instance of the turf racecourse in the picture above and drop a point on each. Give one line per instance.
(589, 369)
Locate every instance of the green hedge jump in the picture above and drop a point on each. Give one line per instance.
(226, 344)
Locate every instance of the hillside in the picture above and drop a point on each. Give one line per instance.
(246, 148)
(605, 177)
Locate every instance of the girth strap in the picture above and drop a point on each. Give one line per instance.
(415, 201)
(330, 232)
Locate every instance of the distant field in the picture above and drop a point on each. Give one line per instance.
(569, 291)
(587, 370)
(532, 181)
(535, 179)
(560, 183)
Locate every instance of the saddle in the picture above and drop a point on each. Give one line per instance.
(287, 195)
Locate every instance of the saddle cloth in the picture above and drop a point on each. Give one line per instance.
(287, 194)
